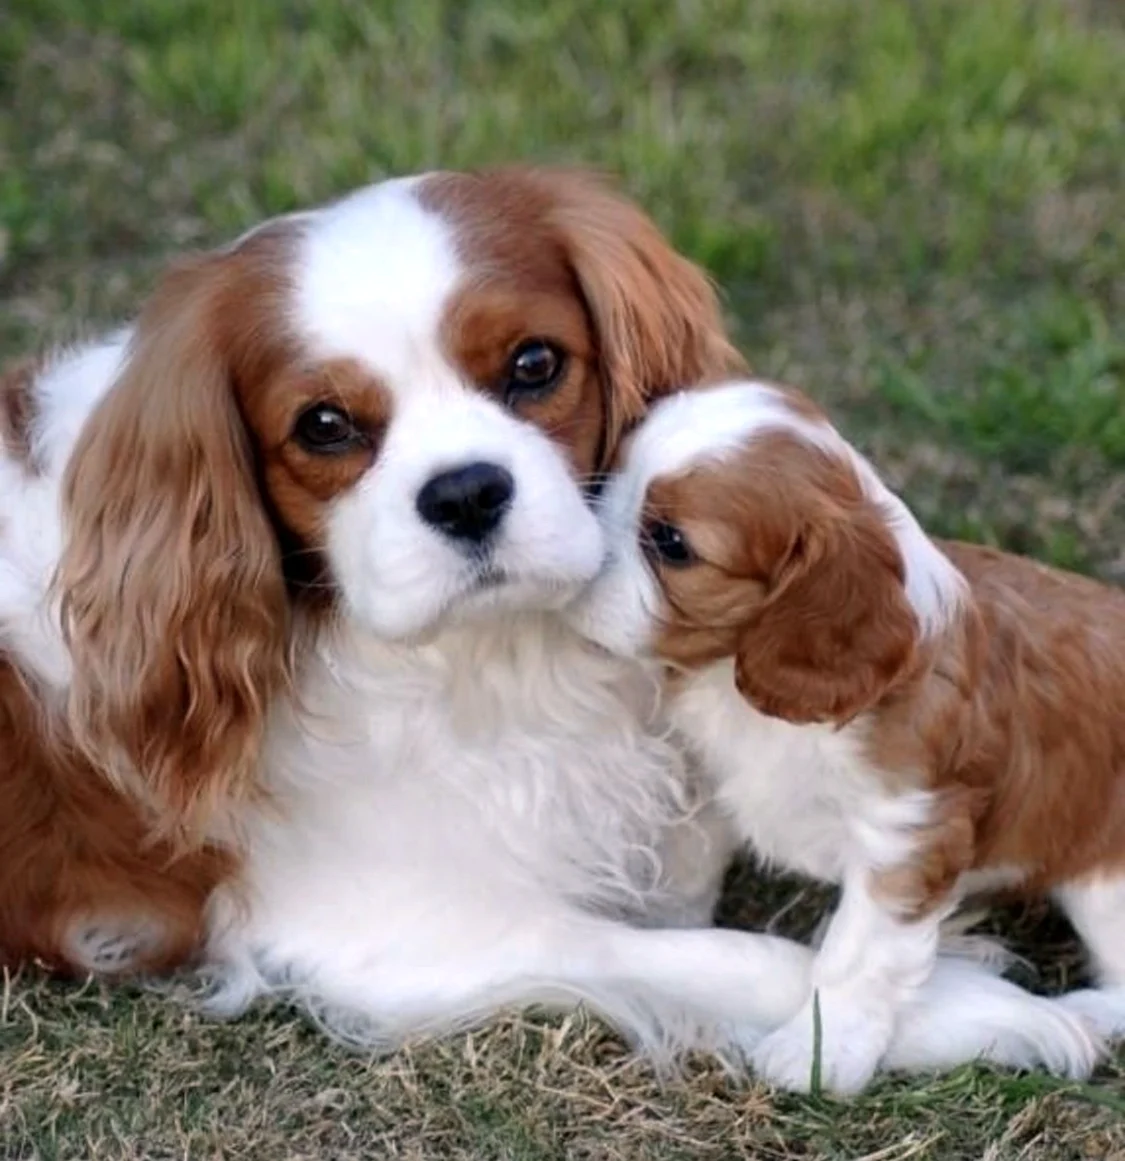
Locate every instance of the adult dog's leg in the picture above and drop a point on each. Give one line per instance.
(666, 990)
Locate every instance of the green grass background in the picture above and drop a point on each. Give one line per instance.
(916, 211)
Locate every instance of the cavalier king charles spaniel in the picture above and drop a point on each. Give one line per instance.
(286, 685)
(913, 720)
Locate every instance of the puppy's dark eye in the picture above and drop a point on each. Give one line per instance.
(667, 542)
(327, 430)
(534, 369)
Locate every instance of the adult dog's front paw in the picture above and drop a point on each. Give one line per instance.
(852, 1043)
(1103, 1009)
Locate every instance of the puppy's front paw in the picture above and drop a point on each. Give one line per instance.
(852, 1043)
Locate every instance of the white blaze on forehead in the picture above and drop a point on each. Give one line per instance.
(373, 274)
(695, 427)
(680, 432)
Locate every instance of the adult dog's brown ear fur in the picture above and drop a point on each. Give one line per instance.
(658, 320)
(171, 587)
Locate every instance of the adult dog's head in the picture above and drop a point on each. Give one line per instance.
(395, 408)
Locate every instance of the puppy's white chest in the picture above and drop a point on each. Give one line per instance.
(794, 792)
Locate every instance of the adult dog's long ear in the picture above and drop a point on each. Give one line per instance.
(170, 582)
(658, 321)
(836, 629)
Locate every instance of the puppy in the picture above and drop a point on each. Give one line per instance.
(913, 720)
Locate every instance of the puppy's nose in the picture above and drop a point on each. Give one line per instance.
(467, 503)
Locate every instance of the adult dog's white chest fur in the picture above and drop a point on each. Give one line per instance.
(433, 797)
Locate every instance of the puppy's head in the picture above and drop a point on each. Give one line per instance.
(395, 408)
(744, 527)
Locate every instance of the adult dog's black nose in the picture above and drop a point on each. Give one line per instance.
(467, 503)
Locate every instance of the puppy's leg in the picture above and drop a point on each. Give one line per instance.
(1096, 908)
(870, 964)
(905, 857)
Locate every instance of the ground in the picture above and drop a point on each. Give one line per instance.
(916, 211)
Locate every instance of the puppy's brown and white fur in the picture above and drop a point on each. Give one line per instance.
(913, 720)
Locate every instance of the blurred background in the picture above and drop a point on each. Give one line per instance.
(915, 210)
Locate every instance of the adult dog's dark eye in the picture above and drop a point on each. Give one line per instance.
(325, 429)
(534, 369)
(668, 543)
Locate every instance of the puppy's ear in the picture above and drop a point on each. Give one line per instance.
(171, 586)
(835, 630)
(658, 321)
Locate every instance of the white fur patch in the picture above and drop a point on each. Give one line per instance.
(372, 274)
(1096, 908)
(66, 390)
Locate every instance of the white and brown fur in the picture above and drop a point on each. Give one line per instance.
(912, 719)
(266, 708)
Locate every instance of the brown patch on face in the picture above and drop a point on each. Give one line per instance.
(17, 409)
(485, 326)
(796, 576)
(192, 504)
(301, 482)
(76, 853)
(554, 254)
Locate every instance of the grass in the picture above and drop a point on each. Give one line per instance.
(916, 211)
